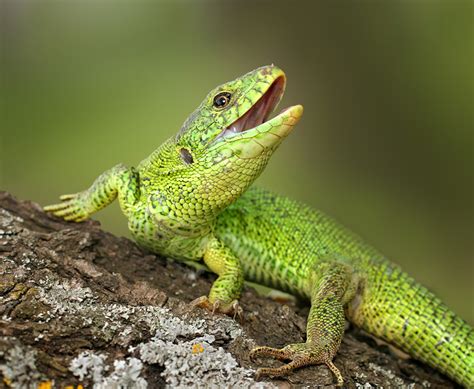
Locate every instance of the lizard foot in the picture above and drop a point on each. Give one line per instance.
(299, 355)
(71, 207)
(232, 309)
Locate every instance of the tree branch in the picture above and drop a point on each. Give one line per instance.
(81, 306)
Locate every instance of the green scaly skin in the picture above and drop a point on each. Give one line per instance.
(190, 200)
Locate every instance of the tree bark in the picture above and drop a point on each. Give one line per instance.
(80, 306)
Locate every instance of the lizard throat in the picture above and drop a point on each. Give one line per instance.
(260, 111)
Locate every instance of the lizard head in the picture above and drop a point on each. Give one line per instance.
(226, 143)
(233, 122)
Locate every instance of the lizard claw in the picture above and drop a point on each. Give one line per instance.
(232, 309)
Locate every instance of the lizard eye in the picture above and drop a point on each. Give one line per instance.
(222, 99)
(186, 156)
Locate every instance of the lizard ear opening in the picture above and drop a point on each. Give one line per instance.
(186, 156)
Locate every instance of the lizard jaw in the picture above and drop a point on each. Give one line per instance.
(259, 112)
(263, 139)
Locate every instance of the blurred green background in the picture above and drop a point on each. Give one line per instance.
(385, 144)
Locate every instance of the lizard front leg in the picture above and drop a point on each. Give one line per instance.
(333, 286)
(119, 181)
(225, 291)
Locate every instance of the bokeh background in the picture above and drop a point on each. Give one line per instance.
(385, 144)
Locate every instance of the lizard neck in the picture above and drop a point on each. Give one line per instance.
(184, 198)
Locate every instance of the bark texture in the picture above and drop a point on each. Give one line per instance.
(80, 306)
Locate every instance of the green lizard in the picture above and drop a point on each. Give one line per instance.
(191, 200)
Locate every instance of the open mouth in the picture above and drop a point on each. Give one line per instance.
(260, 111)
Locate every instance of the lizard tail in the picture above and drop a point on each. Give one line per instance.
(399, 310)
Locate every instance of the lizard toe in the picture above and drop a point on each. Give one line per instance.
(299, 354)
(68, 196)
(55, 207)
(231, 309)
